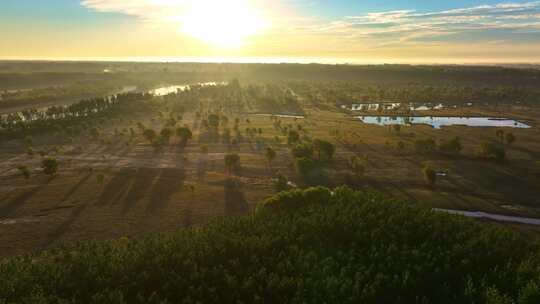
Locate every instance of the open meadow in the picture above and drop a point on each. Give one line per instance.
(145, 161)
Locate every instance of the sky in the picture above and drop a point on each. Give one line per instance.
(332, 31)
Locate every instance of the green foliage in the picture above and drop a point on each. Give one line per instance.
(270, 155)
(357, 165)
(280, 183)
(309, 246)
(165, 135)
(304, 150)
(430, 175)
(150, 135)
(311, 171)
(325, 150)
(293, 137)
(49, 166)
(185, 135)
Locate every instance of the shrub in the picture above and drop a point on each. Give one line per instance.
(49, 166)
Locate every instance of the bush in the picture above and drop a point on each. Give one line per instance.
(349, 247)
(49, 166)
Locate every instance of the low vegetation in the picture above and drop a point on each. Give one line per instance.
(382, 251)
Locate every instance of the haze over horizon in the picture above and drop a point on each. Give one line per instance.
(342, 31)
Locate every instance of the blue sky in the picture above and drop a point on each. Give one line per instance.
(349, 28)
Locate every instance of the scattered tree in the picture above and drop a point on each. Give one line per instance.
(429, 175)
(232, 163)
(185, 135)
(270, 156)
(49, 166)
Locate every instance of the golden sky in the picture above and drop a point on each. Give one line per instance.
(259, 30)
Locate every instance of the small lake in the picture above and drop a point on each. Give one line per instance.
(438, 122)
(162, 91)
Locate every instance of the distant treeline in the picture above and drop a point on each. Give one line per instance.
(13, 73)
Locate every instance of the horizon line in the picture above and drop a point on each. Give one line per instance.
(272, 60)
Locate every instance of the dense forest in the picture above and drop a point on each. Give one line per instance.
(301, 246)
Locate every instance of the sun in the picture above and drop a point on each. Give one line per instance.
(222, 23)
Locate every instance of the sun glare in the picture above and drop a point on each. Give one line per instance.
(225, 24)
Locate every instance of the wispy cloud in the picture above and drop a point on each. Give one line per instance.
(504, 20)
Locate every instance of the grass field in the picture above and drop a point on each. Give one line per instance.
(119, 185)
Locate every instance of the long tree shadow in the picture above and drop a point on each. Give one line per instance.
(144, 178)
(116, 187)
(169, 182)
(235, 200)
(21, 199)
(75, 188)
(64, 227)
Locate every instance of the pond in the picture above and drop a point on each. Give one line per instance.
(441, 121)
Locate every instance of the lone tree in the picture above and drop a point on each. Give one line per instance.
(325, 149)
(49, 166)
(429, 175)
(185, 135)
(165, 135)
(232, 163)
(270, 156)
(293, 137)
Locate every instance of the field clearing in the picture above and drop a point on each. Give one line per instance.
(120, 185)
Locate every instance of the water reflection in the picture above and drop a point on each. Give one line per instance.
(439, 121)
